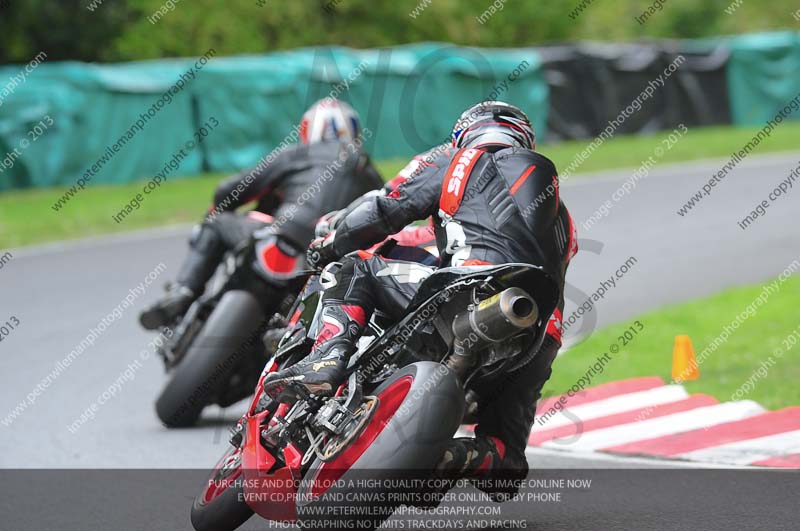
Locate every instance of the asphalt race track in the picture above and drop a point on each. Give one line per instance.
(58, 293)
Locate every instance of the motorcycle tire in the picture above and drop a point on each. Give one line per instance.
(229, 334)
(221, 505)
(420, 408)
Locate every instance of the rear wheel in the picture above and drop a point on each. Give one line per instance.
(221, 506)
(419, 409)
(233, 330)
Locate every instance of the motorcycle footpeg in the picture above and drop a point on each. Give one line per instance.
(237, 436)
(300, 391)
(265, 402)
(291, 392)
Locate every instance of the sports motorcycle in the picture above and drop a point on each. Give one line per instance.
(215, 352)
(408, 389)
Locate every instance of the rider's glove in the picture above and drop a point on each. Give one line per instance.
(320, 252)
(328, 222)
(323, 226)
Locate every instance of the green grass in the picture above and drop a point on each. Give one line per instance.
(26, 216)
(750, 351)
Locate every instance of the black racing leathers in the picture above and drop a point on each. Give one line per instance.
(297, 186)
(300, 184)
(435, 156)
(510, 211)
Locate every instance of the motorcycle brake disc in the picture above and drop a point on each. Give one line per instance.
(362, 415)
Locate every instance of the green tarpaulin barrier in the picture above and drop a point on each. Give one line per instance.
(90, 108)
(763, 76)
(123, 122)
(408, 98)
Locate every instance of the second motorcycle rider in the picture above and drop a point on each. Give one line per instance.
(326, 171)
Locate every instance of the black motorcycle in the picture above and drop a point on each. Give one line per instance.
(215, 353)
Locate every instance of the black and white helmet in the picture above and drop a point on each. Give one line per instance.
(493, 123)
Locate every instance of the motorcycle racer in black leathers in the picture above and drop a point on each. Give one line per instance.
(494, 201)
(420, 236)
(292, 189)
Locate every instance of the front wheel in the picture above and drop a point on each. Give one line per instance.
(221, 505)
(419, 409)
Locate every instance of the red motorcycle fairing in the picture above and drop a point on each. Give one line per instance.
(271, 366)
(413, 236)
(260, 216)
(215, 487)
(270, 493)
(275, 261)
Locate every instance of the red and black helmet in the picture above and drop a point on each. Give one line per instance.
(493, 123)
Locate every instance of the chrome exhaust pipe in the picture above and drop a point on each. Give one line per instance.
(497, 318)
(493, 320)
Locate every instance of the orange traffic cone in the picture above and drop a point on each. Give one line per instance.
(684, 364)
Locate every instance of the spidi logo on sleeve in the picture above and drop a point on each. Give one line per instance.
(454, 185)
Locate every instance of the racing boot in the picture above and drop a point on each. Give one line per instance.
(168, 309)
(481, 460)
(471, 456)
(205, 253)
(323, 370)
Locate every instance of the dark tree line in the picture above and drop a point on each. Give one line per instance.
(122, 30)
